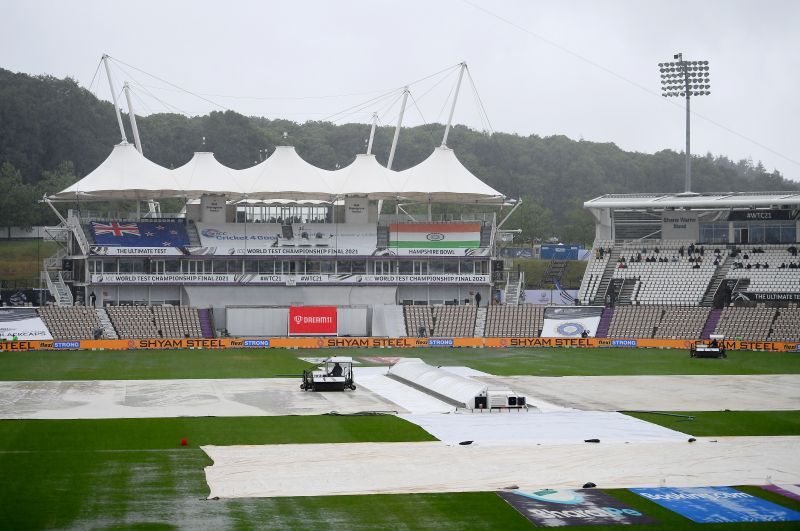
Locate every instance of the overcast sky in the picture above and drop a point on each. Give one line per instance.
(585, 69)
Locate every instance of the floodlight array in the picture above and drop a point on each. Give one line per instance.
(684, 78)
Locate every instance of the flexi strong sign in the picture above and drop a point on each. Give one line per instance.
(312, 320)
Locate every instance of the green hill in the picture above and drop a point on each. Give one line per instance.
(45, 122)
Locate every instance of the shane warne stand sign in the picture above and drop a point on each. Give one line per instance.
(312, 321)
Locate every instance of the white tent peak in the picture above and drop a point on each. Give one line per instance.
(125, 174)
(443, 178)
(366, 176)
(204, 174)
(286, 175)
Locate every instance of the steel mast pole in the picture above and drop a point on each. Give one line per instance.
(132, 116)
(372, 132)
(114, 99)
(685, 71)
(397, 128)
(453, 107)
(688, 135)
(394, 141)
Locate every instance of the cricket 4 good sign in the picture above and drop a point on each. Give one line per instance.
(558, 508)
(312, 321)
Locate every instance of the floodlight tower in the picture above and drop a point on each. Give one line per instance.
(685, 79)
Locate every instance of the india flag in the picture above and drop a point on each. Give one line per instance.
(435, 235)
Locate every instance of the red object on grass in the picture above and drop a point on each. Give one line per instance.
(184, 442)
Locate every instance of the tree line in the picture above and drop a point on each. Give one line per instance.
(52, 132)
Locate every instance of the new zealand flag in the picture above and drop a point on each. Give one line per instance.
(140, 233)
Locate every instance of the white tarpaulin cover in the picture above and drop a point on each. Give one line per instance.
(388, 468)
(737, 392)
(555, 427)
(22, 323)
(101, 399)
(458, 389)
(125, 174)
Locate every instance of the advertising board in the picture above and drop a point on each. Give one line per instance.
(312, 320)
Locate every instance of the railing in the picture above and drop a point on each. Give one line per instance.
(54, 262)
(57, 288)
(483, 217)
(74, 224)
(86, 216)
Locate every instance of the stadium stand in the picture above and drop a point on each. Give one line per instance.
(782, 273)
(417, 317)
(133, 322)
(71, 322)
(745, 323)
(175, 321)
(451, 320)
(634, 321)
(682, 322)
(594, 270)
(786, 326)
(654, 268)
(454, 321)
(664, 322)
(514, 321)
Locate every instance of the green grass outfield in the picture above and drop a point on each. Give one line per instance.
(265, 363)
(728, 423)
(132, 473)
(21, 259)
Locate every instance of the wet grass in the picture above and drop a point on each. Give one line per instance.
(151, 364)
(266, 363)
(608, 361)
(21, 259)
(728, 423)
(133, 473)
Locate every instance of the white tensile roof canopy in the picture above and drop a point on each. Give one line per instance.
(441, 178)
(286, 175)
(204, 174)
(126, 174)
(365, 176)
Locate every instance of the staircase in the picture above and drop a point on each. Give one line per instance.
(383, 237)
(74, 224)
(605, 323)
(486, 236)
(741, 285)
(711, 323)
(554, 272)
(716, 282)
(192, 234)
(480, 322)
(602, 287)
(205, 317)
(626, 291)
(105, 321)
(514, 285)
(57, 288)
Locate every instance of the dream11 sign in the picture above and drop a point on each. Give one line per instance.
(312, 320)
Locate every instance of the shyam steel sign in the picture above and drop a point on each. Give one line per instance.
(312, 321)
